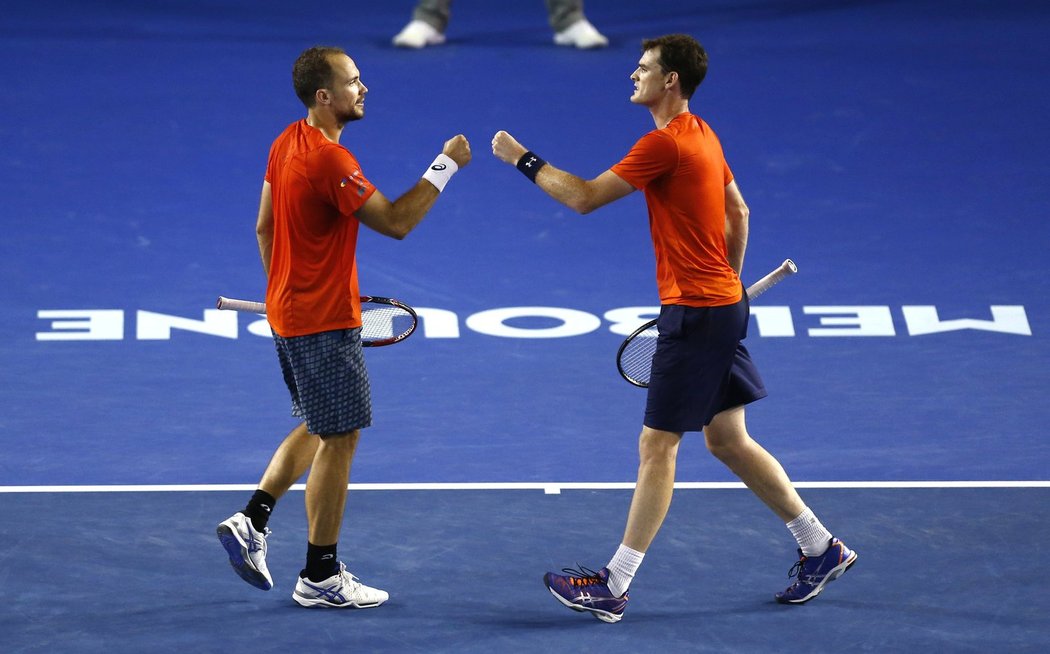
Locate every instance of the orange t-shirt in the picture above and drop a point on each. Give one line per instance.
(317, 186)
(683, 172)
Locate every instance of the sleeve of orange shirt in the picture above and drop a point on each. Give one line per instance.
(341, 181)
(652, 156)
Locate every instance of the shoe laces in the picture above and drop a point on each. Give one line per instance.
(583, 576)
(797, 568)
(347, 578)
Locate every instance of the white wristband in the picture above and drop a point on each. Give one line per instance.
(441, 171)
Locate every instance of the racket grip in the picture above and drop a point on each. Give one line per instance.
(772, 279)
(248, 306)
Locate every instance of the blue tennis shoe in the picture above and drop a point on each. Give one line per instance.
(586, 590)
(813, 573)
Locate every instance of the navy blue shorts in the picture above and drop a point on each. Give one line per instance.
(326, 376)
(700, 367)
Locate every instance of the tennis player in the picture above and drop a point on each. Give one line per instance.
(313, 199)
(702, 376)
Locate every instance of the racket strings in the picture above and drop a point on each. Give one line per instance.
(636, 360)
(384, 323)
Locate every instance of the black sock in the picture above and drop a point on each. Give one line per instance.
(321, 562)
(259, 508)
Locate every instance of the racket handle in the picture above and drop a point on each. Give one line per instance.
(773, 278)
(240, 305)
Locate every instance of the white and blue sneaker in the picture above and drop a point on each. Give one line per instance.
(342, 590)
(812, 573)
(247, 549)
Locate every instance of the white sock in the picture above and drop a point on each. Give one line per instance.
(813, 538)
(622, 568)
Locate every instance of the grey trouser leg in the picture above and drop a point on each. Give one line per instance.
(560, 13)
(563, 13)
(434, 13)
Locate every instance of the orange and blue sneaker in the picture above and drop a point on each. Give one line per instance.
(586, 590)
(813, 573)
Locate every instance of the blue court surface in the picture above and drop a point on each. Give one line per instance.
(896, 151)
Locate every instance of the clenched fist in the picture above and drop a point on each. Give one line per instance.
(457, 148)
(506, 148)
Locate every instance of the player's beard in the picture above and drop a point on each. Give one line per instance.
(357, 112)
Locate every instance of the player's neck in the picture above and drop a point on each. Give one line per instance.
(331, 129)
(665, 111)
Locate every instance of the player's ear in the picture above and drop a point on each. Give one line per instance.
(322, 97)
(672, 78)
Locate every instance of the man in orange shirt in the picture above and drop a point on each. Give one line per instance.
(701, 376)
(313, 198)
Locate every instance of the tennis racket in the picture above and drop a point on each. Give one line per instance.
(384, 321)
(634, 359)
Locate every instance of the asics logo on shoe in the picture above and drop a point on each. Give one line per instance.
(254, 544)
(586, 598)
(331, 594)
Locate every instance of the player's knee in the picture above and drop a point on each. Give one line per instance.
(658, 446)
(717, 448)
(341, 441)
(728, 448)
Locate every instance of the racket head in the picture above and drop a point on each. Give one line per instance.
(385, 321)
(634, 359)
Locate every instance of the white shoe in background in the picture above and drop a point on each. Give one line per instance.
(581, 34)
(418, 34)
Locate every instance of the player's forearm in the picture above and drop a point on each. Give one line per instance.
(563, 186)
(264, 226)
(265, 250)
(408, 211)
(566, 188)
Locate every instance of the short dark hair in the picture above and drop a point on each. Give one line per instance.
(684, 55)
(312, 71)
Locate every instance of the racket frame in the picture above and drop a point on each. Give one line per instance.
(249, 306)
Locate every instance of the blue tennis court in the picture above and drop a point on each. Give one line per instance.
(895, 151)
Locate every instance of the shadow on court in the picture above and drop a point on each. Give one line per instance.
(938, 570)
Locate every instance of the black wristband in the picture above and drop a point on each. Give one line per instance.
(530, 164)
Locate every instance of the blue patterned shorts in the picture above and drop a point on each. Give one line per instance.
(326, 376)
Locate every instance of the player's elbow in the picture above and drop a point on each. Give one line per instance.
(399, 233)
(396, 225)
(582, 204)
(265, 241)
(738, 214)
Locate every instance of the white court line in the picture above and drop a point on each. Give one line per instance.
(549, 488)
